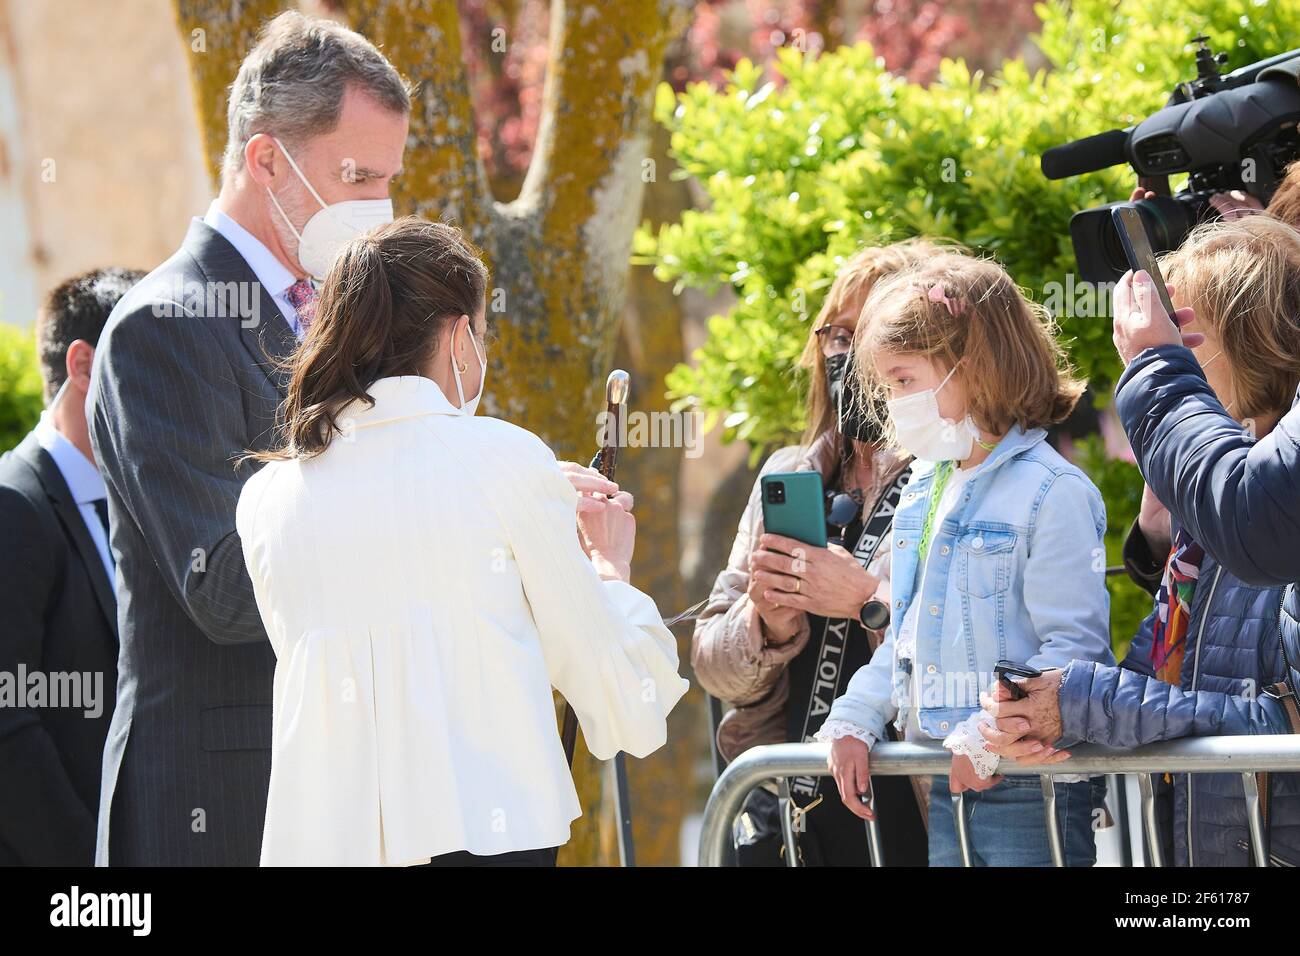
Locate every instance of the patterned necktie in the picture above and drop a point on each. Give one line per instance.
(302, 296)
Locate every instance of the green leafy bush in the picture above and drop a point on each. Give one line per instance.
(20, 385)
(801, 173)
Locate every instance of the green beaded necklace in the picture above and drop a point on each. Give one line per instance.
(942, 472)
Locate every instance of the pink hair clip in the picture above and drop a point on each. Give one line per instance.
(954, 305)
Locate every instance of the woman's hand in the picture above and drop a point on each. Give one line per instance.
(780, 624)
(825, 581)
(606, 527)
(850, 768)
(1037, 716)
(607, 530)
(1235, 205)
(1153, 522)
(1140, 321)
(962, 776)
(587, 481)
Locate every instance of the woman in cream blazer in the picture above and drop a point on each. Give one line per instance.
(425, 581)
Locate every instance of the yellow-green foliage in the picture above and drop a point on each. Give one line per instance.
(20, 385)
(801, 174)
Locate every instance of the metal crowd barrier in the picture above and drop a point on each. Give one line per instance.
(1276, 753)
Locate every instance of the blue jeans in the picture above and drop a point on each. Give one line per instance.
(1007, 824)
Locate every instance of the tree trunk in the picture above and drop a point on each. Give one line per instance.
(558, 253)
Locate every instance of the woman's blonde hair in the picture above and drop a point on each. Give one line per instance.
(853, 283)
(958, 308)
(1242, 279)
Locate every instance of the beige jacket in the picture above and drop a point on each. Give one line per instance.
(731, 657)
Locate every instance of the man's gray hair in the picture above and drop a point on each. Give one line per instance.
(291, 84)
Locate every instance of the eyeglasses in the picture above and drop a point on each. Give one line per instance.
(834, 339)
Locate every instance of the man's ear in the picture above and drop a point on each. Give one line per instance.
(260, 159)
(78, 362)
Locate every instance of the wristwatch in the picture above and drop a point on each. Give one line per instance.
(874, 615)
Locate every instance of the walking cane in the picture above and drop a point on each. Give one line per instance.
(606, 461)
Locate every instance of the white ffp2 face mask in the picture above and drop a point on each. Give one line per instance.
(333, 226)
(924, 433)
(470, 407)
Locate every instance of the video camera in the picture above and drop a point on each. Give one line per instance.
(1234, 131)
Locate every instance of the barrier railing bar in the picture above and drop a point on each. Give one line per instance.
(1255, 819)
(786, 807)
(1147, 791)
(1053, 826)
(963, 832)
(1261, 753)
(874, 846)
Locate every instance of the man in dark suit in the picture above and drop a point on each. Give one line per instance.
(185, 383)
(58, 636)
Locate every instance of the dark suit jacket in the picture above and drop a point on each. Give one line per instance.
(184, 383)
(57, 616)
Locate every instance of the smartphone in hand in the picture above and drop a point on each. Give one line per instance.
(794, 506)
(1005, 670)
(1137, 247)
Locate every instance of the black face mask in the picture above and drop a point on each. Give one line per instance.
(851, 415)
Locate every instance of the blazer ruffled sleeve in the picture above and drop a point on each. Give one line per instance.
(605, 645)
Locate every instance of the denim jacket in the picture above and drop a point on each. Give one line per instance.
(1016, 570)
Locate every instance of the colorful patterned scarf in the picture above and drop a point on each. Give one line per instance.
(1174, 607)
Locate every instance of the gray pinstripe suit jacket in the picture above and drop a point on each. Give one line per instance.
(184, 382)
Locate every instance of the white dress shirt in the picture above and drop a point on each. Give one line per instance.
(423, 588)
(83, 481)
(270, 271)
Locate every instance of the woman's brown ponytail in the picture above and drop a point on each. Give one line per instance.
(380, 311)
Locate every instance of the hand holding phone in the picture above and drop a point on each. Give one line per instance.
(1006, 670)
(1137, 323)
(1137, 248)
(795, 506)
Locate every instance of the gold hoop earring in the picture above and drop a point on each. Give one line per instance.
(462, 367)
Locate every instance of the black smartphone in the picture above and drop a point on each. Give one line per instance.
(1005, 670)
(1137, 247)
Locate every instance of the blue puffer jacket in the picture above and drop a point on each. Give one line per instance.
(1231, 653)
(1238, 497)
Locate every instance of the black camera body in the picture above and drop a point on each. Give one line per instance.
(1233, 131)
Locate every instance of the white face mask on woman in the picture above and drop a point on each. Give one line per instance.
(470, 407)
(333, 226)
(927, 435)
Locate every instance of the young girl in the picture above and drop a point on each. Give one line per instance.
(996, 552)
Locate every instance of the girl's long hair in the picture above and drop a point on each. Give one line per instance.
(960, 308)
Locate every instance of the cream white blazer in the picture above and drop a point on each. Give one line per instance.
(423, 587)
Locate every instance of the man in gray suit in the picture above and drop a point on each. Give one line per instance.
(185, 382)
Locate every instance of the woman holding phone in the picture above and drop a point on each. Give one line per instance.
(766, 636)
(426, 576)
(1202, 662)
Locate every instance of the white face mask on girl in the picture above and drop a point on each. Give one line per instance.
(470, 407)
(924, 433)
(333, 226)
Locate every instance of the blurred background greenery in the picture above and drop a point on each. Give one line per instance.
(805, 160)
(20, 384)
